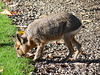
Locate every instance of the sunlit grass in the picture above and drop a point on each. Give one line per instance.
(9, 62)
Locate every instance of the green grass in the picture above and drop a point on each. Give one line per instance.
(9, 62)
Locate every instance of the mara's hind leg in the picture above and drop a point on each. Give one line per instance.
(68, 43)
(77, 45)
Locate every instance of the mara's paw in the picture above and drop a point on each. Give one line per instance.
(36, 59)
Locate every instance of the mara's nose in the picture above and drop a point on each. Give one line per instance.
(18, 56)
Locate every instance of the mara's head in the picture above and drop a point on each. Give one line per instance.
(23, 45)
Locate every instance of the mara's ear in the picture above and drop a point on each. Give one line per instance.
(19, 39)
(24, 40)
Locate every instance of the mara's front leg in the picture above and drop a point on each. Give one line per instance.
(39, 52)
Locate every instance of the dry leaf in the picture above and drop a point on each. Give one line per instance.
(1, 70)
(75, 51)
(43, 16)
(6, 12)
(79, 52)
(61, 67)
(6, 0)
(86, 20)
(51, 56)
(14, 13)
(82, 52)
(82, 13)
(30, 56)
(21, 32)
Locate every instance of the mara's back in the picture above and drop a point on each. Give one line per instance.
(53, 27)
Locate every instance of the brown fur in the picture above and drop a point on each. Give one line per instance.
(58, 26)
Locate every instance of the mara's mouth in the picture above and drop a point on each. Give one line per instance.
(20, 53)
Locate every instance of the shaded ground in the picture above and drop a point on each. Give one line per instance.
(88, 11)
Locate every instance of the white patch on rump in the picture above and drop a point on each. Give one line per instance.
(76, 31)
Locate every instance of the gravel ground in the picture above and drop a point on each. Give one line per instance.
(88, 11)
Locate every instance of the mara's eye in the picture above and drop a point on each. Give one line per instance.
(18, 48)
